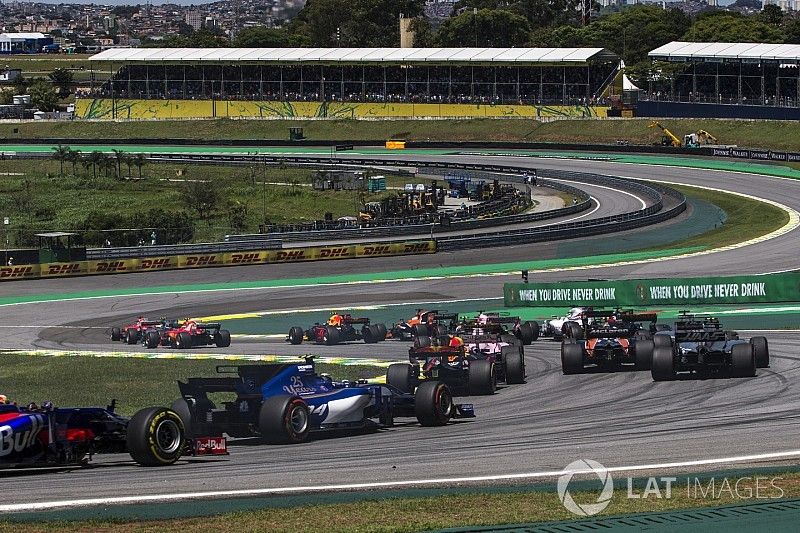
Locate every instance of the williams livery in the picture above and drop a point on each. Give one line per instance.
(34, 437)
(284, 403)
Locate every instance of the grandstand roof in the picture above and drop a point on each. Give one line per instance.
(681, 51)
(353, 55)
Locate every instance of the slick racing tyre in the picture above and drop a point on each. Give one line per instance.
(152, 339)
(188, 415)
(116, 334)
(482, 378)
(573, 330)
(370, 334)
(433, 404)
(643, 352)
(331, 336)
(743, 360)
(662, 367)
(761, 349)
(284, 420)
(422, 342)
(421, 330)
(515, 364)
(382, 332)
(131, 336)
(571, 358)
(156, 436)
(662, 341)
(223, 338)
(183, 341)
(528, 332)
(401, 376)
(296, 335)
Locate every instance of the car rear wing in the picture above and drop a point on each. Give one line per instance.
(247, 383)
(209, 325)
(352, 321)
(638, 317)
(699, 335)
(150, 323)
(609, 333)
(474, 339)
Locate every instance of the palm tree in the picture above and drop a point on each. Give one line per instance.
(74, 156)
(128, 160)
(119, 157)
(60, 154)
(140, 160)
(95, 159)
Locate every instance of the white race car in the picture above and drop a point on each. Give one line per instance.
(555, 327)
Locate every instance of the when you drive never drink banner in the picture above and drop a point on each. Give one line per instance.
(641, 292)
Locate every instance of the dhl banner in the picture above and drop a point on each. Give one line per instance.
(258, 257)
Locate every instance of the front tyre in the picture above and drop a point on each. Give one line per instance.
(743, 360)
(571, 358)
(433, 404)
(761, 349)
(156, 436)
(296, 335)
(223, 338)
(116, 334)
(401, 376)
(482, 377)
(153, 339)
(663, 364)
(284, 420)
(515, 364)
(643, 352)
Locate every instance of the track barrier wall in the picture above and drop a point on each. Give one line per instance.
(768, 288)
(256, 257)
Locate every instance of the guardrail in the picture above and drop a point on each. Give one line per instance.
(130, 252)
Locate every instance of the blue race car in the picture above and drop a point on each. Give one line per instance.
(284, 403)
(49, 436)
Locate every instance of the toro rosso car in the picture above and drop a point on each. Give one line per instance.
(185, 335)
(284, 403)
(51, 436)
(338, 329)
(608, 339)
(700, 345)
(133, 333)
(472, 364)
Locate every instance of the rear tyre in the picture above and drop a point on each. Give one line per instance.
(401, 376)
(420, 330)
(116, 334)
(331, 336)
(482, 378)
(571, 358)
(223, 338)
(528, 332)
(662, 341)
(131, 336)
(284, 420)
(369, 334)
(156, 436)
(181, 407)
(296, 335)
(153, 339)
(643, 352)
(382, 332)
(433, 404)
(573, 330)
(743, 360)
(183, 341)
(662, 367)
(515, 364)
(761, 349)
(422, 342)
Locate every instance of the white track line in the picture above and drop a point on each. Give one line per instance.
(176, 497)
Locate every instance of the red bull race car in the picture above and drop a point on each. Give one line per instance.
(338, 329)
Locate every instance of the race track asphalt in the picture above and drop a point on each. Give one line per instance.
(552, 420)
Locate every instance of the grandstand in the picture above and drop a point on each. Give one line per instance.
(340, 81)
(746, 80)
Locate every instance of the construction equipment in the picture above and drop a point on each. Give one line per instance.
(669, 138)
(701, 137)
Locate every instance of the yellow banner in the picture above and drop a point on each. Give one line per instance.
(258, 257)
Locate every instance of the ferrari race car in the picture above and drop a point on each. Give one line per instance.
(425, 324)
(69, 436)
(133, 333)
(608, 339)
(699, 344)
(472, 364)
(284, 403)
(338, 329)
(188, 334)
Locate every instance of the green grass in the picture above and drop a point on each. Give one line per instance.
(746, 219)
(134, 382)
(383, 514)
(778, 135)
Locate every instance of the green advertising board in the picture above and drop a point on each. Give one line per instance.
(642, 292)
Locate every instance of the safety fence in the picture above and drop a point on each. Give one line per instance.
(259, 257)
(766, 288)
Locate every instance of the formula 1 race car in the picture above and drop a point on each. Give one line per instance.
(69, 436)
(608, 339)
(284, 403)
(425, 324)
(699, 344)
(339, 328)
(472, 364)
(500, 324)
(557, 326)
(133, 333)
(185, 335)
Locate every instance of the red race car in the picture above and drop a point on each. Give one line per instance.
(189, 334)
(133, 333)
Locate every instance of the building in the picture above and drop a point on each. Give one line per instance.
(195, 19)
(23, 43)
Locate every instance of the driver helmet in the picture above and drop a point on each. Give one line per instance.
(575, 313)
(483, 319)
(456, 341)
(3, 399)
(335, 320)
(47, 405)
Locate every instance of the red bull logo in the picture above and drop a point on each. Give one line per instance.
(382, 249)
(243, 259)
(16, 272)
(156, 264)
(20, 433)
(110, 266)
(63, 270)
(202, 260)
(329, 253)
(291, 255)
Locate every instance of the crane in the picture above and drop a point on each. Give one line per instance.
(669, 138)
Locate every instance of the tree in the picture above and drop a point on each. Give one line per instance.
(730, 27)
(771, 14)
(60, 154)
(62, 79)
(74, 156)
(43, 96)
(139, 160)
(201, 198)
(489, 28)
(119, 158)
(94, 159)
(261, 37)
